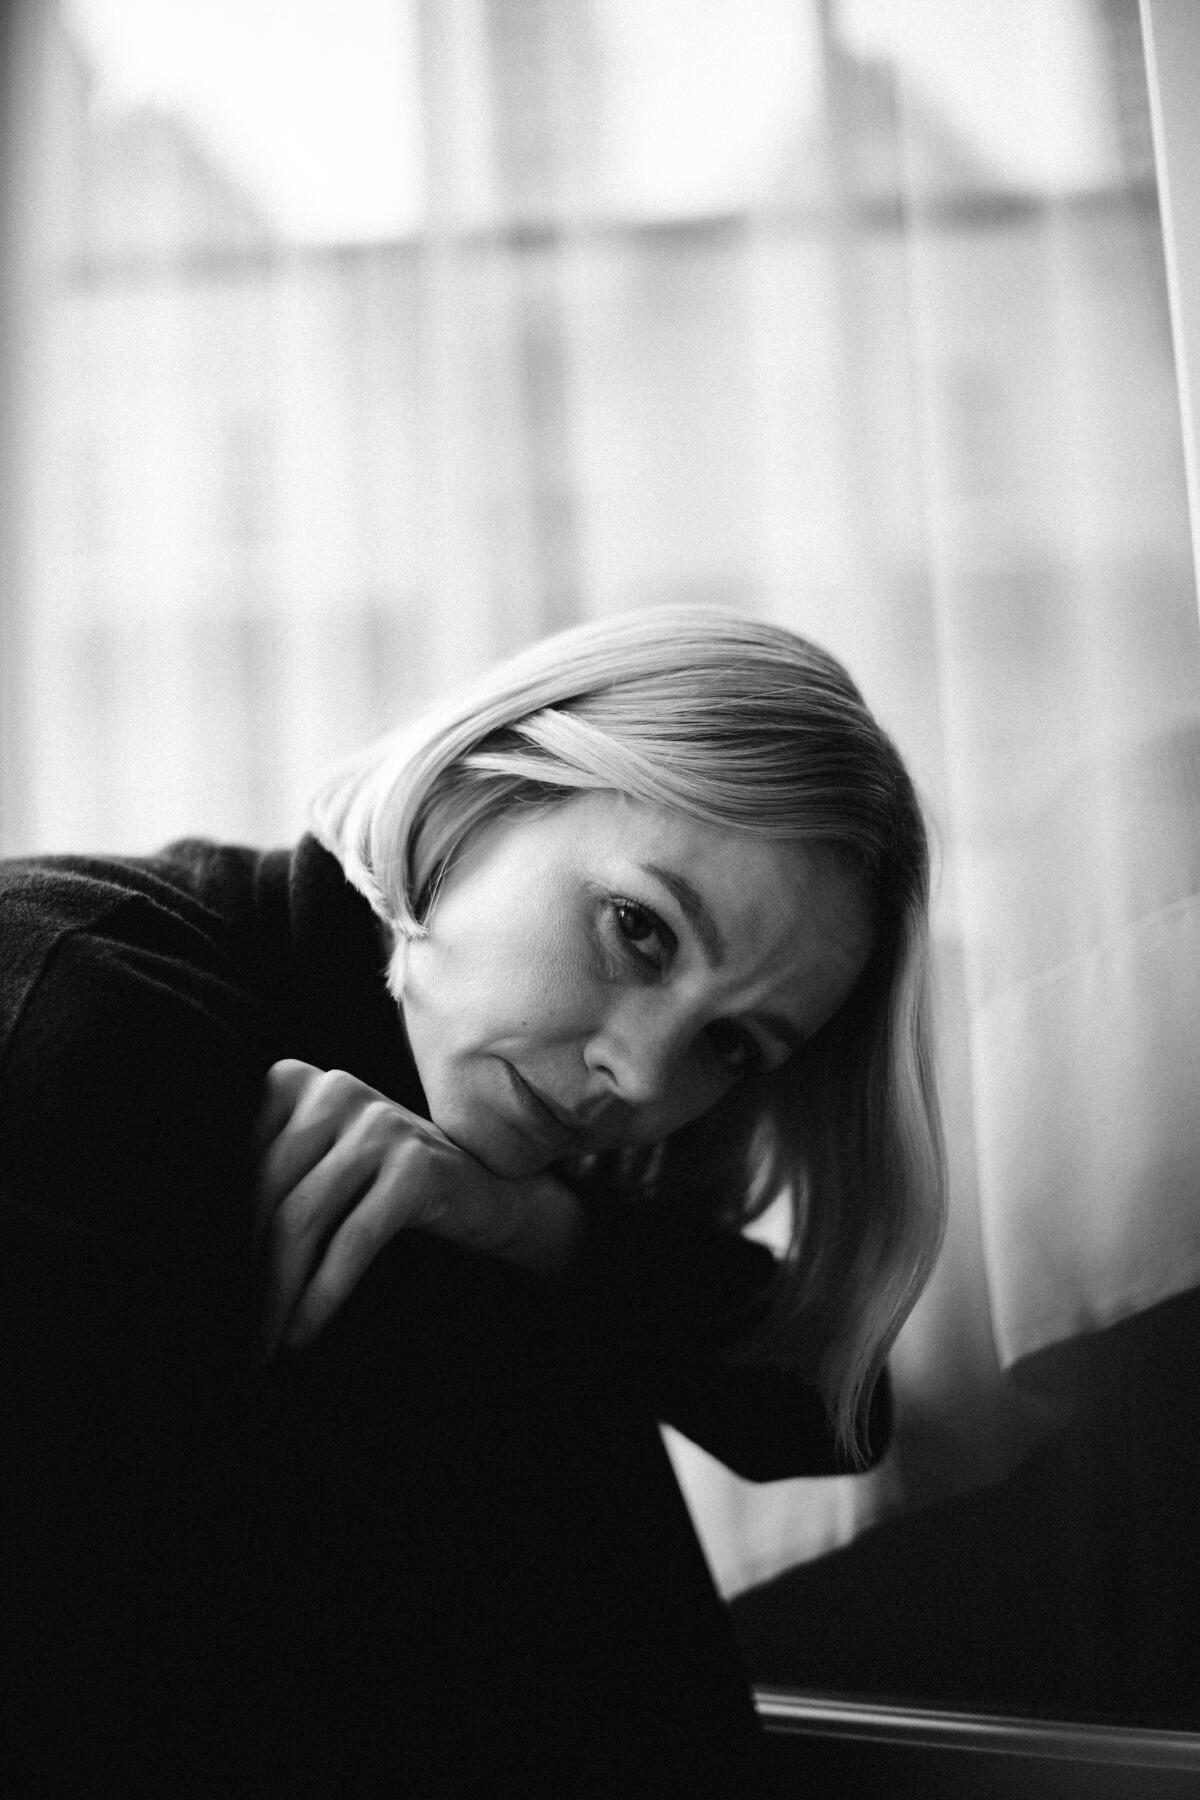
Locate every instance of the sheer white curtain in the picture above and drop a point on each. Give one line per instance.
(851, 315)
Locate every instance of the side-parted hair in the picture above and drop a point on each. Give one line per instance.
(749, 728)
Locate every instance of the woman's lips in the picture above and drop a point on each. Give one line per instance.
(544, 1115)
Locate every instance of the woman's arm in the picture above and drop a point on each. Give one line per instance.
(343, 1170)
(670, 1308)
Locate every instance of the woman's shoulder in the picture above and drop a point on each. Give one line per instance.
(90, 941)
(190, 877)
(133, 1043)
(193, 887)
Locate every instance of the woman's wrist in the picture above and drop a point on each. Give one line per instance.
(535, 1224)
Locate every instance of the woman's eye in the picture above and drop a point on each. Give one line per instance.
(734, 1047)
(645, 933)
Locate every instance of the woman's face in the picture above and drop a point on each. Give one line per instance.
(601, 972)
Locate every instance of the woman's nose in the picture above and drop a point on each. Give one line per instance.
(638, 1058)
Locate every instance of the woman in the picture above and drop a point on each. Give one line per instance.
(367, 1207)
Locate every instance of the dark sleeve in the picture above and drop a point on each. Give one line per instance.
(127, 1092)
(668, 1310)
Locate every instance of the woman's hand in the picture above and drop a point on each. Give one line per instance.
(341, 1169)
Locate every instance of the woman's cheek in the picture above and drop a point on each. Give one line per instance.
(570, 978)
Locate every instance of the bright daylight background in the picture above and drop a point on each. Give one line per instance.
(355, 343)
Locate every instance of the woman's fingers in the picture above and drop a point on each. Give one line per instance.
(304, 1113)
(285, 1082)
(329, 1142)
(300, 1226)
(376, 1219)
(282, 1147)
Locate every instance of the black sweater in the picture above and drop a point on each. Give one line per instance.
(444, 1539)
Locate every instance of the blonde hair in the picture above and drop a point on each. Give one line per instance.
(747, 727)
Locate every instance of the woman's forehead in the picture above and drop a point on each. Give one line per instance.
(764, 866)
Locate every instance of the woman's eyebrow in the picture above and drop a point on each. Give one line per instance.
(691, 905)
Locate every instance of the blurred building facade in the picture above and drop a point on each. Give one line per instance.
(310, 486)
